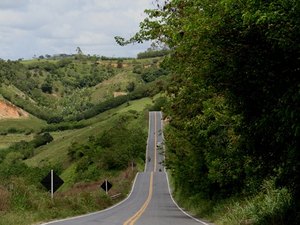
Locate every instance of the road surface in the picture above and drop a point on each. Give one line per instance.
(150, 202)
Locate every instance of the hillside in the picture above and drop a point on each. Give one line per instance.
(84, 118)
(83, 158)
(64, 89)
(229, 88)
(57, 150)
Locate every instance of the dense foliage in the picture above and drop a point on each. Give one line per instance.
(66, 89)
(52, 90)
(23, 150)
(115, 149)
(150, 53)
(69, 92)
(107, 154)
(234, 100)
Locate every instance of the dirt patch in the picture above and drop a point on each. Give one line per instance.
(10, 111)
(115, 65)
(116, 94)
(5, 199)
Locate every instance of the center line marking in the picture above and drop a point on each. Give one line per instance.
(139, 213)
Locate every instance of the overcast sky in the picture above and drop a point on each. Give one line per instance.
(39, 27)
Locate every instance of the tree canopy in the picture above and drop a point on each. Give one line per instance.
(234, 102)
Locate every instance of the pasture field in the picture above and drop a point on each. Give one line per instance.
(57, 150)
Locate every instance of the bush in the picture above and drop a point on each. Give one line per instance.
(152, 73)
(159, 103)
(63, 126)
(42, 139)
(55, 119)
(111, 151)
(13, 130)
(153, 53)
(47, 87)
(268, 207)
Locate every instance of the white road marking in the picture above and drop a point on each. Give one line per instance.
(94, 213)
(179, 206)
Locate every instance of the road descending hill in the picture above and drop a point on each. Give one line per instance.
(150, 201)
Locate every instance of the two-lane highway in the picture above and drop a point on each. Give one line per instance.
(161, 210)
(150, 201)
(155, 143)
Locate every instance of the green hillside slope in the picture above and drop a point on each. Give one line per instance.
(86, 119)
(57, 150)
(83, 158)
(65, 88)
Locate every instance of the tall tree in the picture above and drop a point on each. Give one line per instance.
(235, 93)
(79, 51)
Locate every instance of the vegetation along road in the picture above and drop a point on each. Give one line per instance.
(150, 201)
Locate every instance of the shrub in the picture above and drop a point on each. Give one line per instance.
(268, 207)
(41, 139)
(159, 103)
(47, 87)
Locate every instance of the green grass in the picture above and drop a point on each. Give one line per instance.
(9, 139)
(29, 202)
(67, 176)
(117, 83)
(268, 207)
(30, 123)
(57, 150)
(13, 218)
(30, 61)
(11, 90)
(67, 99)
(32, 206)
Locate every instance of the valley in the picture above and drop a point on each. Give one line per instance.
(78, 117)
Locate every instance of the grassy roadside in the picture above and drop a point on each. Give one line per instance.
(35, 206)
(24, 200)
(266, 207)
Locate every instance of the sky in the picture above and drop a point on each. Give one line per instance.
(31, 28)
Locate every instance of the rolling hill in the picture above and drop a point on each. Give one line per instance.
(84, 118)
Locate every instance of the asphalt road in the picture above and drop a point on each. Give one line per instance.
(150, 202)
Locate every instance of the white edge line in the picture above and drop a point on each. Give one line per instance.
(170, 188)
(94, 213)
(181, 208)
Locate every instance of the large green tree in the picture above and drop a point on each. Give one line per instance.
(234, 99)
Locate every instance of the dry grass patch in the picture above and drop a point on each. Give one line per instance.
(4, 199)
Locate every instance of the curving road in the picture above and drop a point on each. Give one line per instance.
(150, 201)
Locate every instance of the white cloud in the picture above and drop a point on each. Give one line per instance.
(91, 38)
(35, 27)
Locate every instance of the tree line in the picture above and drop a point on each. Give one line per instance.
(61, 91)
(234, 98)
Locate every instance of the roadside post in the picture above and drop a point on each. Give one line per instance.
(52, 182)
(106, 186)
